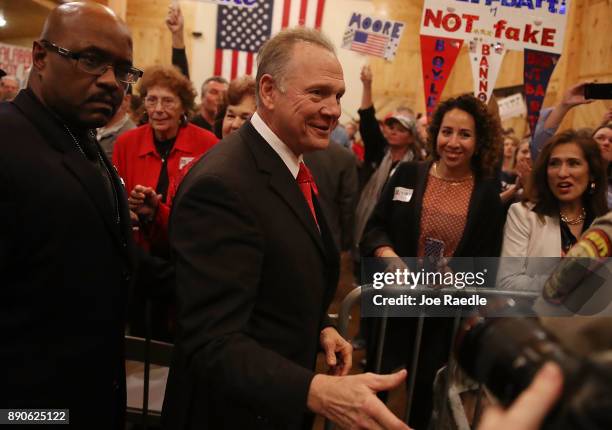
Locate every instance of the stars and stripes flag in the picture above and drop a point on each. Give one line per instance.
(241, 31)
(371, 44)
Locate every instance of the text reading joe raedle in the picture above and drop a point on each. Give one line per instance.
(422, 278)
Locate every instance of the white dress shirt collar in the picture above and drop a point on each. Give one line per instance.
(291, 160)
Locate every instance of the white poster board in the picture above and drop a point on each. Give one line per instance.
(517, 24)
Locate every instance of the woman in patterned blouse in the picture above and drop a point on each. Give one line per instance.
(445, 207)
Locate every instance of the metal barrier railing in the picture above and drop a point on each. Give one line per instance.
(355, 295)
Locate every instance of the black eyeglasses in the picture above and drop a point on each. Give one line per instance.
(96, 64)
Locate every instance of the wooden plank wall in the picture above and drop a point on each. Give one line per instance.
(152, 40)
(587, 55)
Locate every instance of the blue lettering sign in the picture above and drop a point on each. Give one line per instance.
(397, 28)
(386, 29)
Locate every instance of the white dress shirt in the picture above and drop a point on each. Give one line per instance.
(291, 160)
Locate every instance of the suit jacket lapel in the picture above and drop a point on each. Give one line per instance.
(119, 186)
(54, 133)
(90, 179)
(421, 175)
(472, 218)
(282, 182)
(331, 251)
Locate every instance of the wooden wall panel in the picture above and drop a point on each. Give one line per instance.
(152, 40)
(587, 55)
(596, 51)
(399, 83)
(119, 6)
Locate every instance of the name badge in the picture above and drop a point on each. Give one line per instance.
(402, 194)
(185, 161)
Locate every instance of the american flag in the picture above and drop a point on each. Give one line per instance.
(366, 43)
(242, 31)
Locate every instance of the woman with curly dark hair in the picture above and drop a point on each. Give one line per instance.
(450, 206)
(445, 207)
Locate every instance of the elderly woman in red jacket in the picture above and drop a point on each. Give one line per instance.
(239, 106)
(149, 157)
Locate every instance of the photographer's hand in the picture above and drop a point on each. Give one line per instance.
(530, 408)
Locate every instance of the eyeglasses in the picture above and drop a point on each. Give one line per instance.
(166, 102)
(96, 64)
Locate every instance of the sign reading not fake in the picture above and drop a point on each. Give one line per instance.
(518, 24)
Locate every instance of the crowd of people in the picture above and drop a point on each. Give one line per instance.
(126, 207)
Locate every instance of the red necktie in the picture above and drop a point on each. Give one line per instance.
(307, 186)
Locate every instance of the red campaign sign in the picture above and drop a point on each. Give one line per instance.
(15, 60)
(438, 55)
(538, 68)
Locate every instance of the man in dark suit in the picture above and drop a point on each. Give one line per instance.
(64, 224)
(257, 268)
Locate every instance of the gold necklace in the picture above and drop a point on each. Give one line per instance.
(452, 181)
(574, 221)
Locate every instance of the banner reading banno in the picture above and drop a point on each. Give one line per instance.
(486, 59)
(518, 24)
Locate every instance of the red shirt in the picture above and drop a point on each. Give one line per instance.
(138, 162)
(358, 150)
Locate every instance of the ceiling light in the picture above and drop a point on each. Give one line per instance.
(2, 20)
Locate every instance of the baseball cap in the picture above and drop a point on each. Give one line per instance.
(406, 121)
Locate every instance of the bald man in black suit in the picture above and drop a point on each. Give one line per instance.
(64, 224)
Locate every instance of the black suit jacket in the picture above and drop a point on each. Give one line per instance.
(65, 268)
(335, 172)
(397, 224)
(254, 280)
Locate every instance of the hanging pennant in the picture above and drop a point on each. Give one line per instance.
(438, 55)
(538, 68)
(486, 57)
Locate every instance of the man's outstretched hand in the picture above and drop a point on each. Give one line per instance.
(351, 402)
